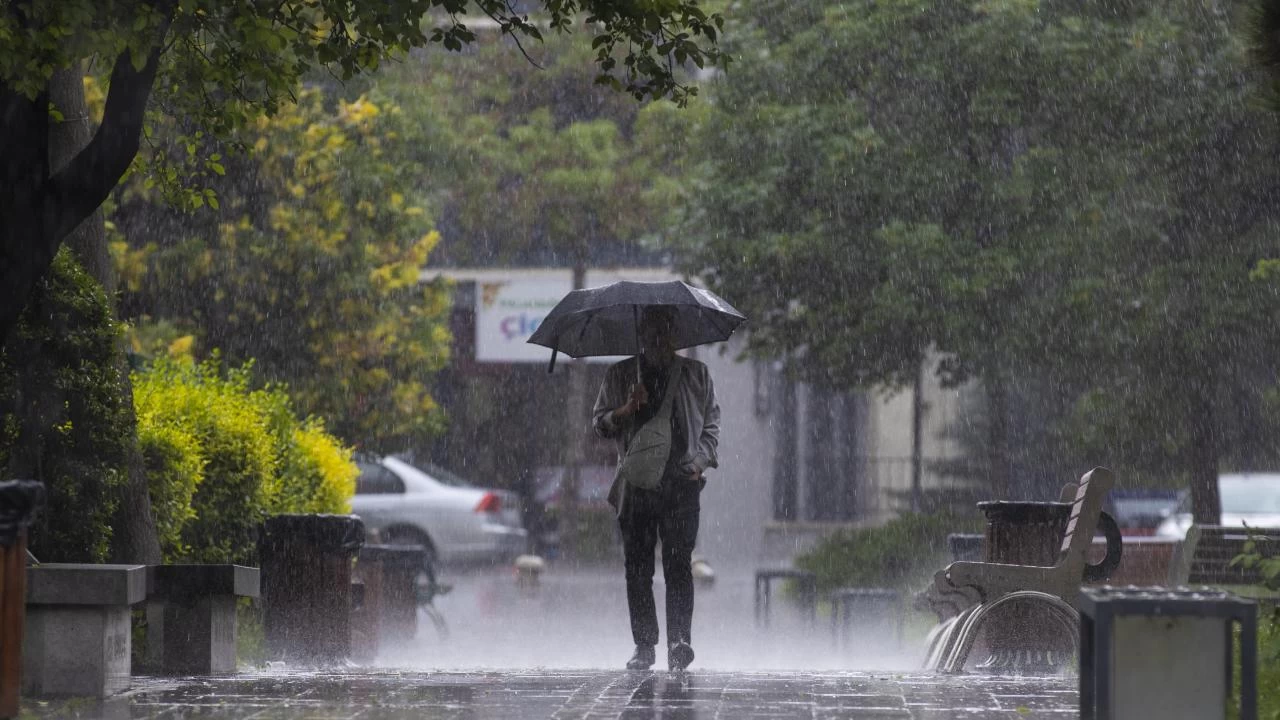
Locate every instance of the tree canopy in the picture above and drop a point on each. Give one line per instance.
(1074, 193)
(307, 264)
(214, 65)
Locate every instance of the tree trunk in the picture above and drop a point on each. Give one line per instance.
(997, 434)
(917, 440)
(39, 208)
(66, 139)
(1206, 505)
(24, 147)
(134, 538)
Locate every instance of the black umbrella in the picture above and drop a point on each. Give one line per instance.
(606, 320)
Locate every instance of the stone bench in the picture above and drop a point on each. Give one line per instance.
(77, 635)
(191, 617)
(875, 612)
(806, 586)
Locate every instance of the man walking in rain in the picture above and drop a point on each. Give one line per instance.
(669, 512)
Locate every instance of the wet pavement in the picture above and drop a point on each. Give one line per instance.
(564, 695)
(533, 654)
(577, 619)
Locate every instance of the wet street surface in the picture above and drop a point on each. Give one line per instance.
(561, 695)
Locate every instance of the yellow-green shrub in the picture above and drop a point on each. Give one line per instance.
(217, 410)
(174, 460)
(258, 458)
(317, 475)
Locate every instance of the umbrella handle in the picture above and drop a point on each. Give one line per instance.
(552, 367)
(635, 309)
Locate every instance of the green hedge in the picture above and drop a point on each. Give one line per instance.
(901, 554)
(1268, 663)
(62, 412)
(223, 456)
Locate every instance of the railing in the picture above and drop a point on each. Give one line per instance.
(875, 485)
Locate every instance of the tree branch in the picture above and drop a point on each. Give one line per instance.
(79, 188)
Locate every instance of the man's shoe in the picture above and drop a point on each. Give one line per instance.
(643, 658)
(680, 656)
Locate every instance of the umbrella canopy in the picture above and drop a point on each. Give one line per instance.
(605, 320)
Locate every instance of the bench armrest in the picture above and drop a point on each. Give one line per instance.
(995, 579)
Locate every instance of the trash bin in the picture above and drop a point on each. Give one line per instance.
(306, 586)
(388, 615)
(1165, 653)
(19, 501)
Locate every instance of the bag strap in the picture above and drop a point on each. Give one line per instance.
(672, 385)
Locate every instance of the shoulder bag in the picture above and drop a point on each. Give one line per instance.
(647, 453)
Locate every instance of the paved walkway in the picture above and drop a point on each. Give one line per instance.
(491, 665)
(564, 695)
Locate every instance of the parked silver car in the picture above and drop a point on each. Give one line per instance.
(1252, 498)
(457, 522)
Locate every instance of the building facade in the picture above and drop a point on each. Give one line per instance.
(796, 461)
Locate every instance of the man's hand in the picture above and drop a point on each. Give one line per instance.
(639, 397)
(691, 471)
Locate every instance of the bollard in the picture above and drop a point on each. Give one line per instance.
(19, 501)
(306, 586)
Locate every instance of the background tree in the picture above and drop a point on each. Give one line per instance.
(534, 164)
(307, 264)
(531, 166)
(1028, 189)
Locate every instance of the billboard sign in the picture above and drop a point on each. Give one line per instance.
(507, 313)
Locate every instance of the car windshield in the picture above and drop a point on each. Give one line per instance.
(1250, 494)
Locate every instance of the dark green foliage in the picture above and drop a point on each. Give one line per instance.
(175, 462)
(1268, 662)
(1041, 194)
(900, 554)
(61, 412)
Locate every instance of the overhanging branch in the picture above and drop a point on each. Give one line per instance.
(85, 182)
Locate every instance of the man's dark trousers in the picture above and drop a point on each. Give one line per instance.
(669, 514)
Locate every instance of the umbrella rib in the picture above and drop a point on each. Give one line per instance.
(583, 331)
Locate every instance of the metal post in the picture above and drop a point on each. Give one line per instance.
(577, 414)
(917, 422)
